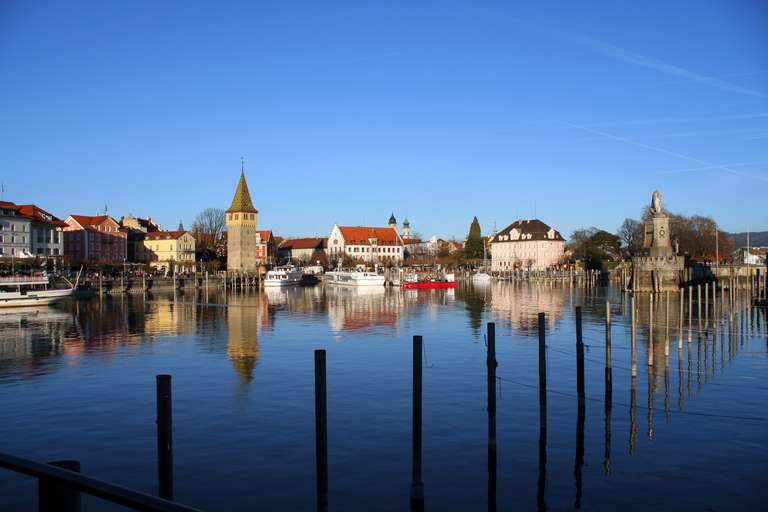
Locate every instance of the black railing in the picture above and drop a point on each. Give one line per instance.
(60, 482)
(65, 486)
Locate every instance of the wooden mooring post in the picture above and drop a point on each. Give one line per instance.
(579, 356)
(541, 483)
(633, 340)
(164, 437)
(608, 390)
(417, 486)
(53, 496)
(491, 366)
(321, 431)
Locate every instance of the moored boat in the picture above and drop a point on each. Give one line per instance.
(354, 278)
(283, 276)
(443, 281)
(31, 290)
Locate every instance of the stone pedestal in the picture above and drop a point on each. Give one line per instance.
(659, 268)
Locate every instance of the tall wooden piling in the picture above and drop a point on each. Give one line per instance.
(650, 330)
(680, 321)
(666, 328)
(608, 390)
(491, 365)
(542, 372)
(579, 356)
(164, 437)
(542, 477)
(633, 341)
(690, 314)
(53, 496)
(321, 431)
(417, 486)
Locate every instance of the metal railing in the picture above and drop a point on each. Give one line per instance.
(65, 485)
(60, 482)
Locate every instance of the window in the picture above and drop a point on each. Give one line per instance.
(236, 216)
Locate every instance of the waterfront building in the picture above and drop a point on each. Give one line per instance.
(750, 256)
(29, 231)
(136, 229)
(529, 244)
(266, 247)
(365, 243)
(303, 250)
(169, 250)
(242, 237)
(96, 238)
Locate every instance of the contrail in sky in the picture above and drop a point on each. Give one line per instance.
(716, 167)
(667, 152)
(637, 59)
(674, 120)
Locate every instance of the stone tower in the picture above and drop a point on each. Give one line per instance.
(406, 229)
(241, 230)
(392, 221)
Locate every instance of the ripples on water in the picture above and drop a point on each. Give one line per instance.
(77, 381)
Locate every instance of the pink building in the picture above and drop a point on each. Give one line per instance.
(528, 244)
(94, 238)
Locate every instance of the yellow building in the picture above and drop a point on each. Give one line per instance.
(170, 250)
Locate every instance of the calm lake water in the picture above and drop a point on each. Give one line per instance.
(78, 382)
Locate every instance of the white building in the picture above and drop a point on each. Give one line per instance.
(28, 231)
(528, 244)
(369, 244)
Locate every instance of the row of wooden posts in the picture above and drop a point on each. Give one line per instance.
(232, 280)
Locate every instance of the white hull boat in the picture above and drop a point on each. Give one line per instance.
(20, 291)
(354, 278)
(283, 276)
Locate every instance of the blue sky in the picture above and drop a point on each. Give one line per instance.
(346, 111)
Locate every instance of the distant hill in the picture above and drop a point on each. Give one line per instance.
(756, 239)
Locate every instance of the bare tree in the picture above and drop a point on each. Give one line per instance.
(208, 227)
(631, 235)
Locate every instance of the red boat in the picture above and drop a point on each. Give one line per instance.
(430, 285)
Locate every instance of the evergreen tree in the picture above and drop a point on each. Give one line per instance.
(473, 248)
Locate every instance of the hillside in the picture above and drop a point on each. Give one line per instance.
(756, 239)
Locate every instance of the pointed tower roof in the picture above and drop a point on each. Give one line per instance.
(392, 219)
(242, 200)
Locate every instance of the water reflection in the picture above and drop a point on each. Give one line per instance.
(518, 305)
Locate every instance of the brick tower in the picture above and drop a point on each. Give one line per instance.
(241, 230)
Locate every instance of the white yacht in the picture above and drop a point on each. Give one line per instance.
(355, 278)
(481, 277)
(283, 276)
(31, 290)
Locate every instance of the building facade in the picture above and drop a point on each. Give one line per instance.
(367, 244)
(170, 250)
(526, 244)
(136, 229)
(28, 231)
(303, 250)
(266, 247)
(94, 238)
(242, 237)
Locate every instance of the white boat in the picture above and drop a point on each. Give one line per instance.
(481, 277)
(354, 278)
(32, 290)
(283, 276)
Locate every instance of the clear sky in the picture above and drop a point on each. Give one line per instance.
(346, 111)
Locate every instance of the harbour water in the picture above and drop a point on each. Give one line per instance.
(78, 382)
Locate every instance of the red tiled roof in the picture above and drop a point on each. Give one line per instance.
(164, 235)
(265, 234)
(39, 215)
(90, 220)
(360, 235)
(304, 243)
